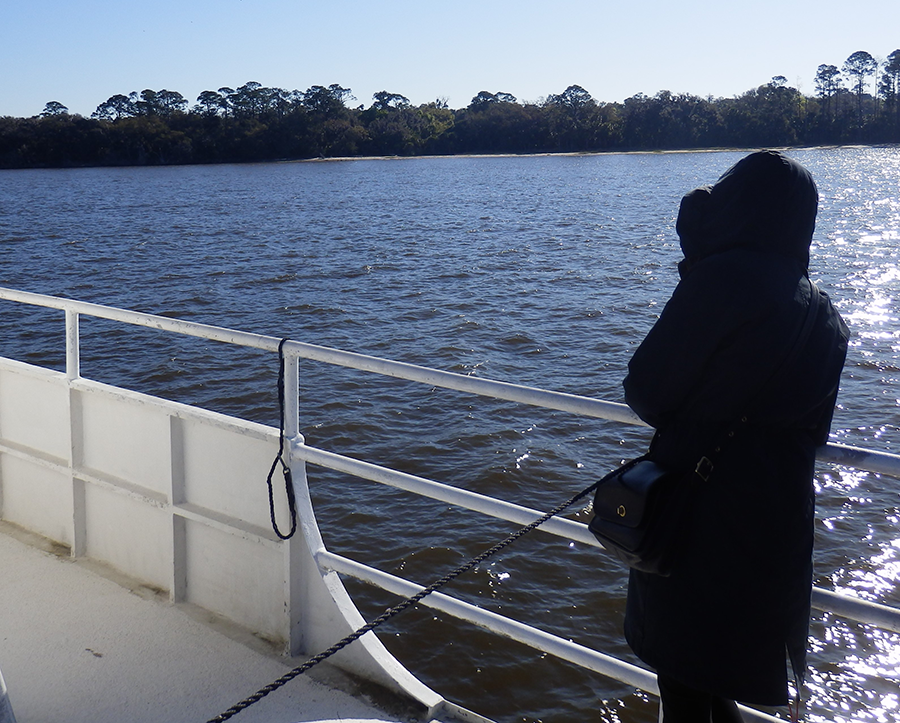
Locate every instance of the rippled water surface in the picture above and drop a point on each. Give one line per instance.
(544, 271)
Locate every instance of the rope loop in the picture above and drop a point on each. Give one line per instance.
(285, 467)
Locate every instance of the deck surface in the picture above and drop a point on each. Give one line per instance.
(76, 647)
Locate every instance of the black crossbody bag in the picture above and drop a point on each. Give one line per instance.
(640, 507)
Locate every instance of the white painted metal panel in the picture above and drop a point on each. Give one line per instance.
(131, 536)
(235, 578)
(34, 411)
(37, 498)
(225, 470)
(125, 439)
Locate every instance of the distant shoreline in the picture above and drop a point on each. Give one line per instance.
(723, 149)
(541, 154)
(155, 130)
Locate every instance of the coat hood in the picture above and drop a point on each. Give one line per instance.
(766, 201)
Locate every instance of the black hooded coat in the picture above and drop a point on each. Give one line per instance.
(738, 596)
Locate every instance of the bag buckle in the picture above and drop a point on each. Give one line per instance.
(704, 468)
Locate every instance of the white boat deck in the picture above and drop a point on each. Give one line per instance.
(78, 647)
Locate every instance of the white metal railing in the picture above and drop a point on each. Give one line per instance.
(499, 624)
(871, 460)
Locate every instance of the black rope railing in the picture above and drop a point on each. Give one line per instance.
(392, 612)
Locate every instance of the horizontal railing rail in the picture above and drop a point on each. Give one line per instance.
(870, 460)
(852, 608)
(866, 459)
(499, 509)
(554, 645)
(499, 624)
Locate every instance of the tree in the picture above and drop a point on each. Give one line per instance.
(328, 100)
(385, 100)
(436, 121)
(246, 100)
(483, 99)
(148, 104)
(573, 98)
(276, 101)
(859, 66)
(208, 103)
(170, 101)
(225, 96)
(494, 123)
(52, 108)
(669, 121)
(828, 82)
(574, 120)
(778, 110)
(889, 87)
(115, 107)
(253, 100)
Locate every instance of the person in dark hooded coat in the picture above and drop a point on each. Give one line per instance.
(719, 628)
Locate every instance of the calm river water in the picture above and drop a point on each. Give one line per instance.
(544, 271)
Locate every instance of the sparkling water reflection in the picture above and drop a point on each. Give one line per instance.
(544, 271)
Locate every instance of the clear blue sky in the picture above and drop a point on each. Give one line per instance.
(81, 52)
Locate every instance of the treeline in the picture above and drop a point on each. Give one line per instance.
(858, 103)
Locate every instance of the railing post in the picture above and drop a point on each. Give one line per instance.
(73, 364)
(291, 394)
(300, 569)
(76, 441)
